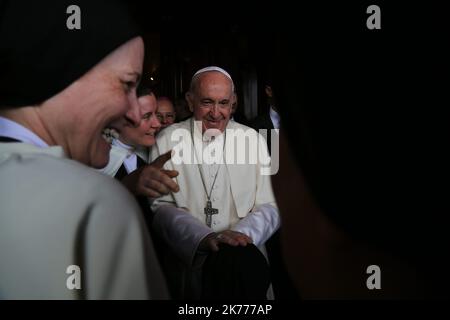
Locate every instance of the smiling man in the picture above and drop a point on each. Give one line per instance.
(223, 213)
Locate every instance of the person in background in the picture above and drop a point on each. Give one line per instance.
(129, 156)
(269, 119)
(166, 112)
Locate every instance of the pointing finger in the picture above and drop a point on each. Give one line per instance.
(170, 173)
(162, 159)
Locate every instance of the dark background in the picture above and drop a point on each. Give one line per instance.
(254, 40)
(182, 38)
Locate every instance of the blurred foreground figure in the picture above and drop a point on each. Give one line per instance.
(364, 148)
(66, 231)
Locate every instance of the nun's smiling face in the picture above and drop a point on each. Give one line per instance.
(104, 98)
(144, 134)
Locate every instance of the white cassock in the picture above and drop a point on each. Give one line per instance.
(241, 193)
(56, 212)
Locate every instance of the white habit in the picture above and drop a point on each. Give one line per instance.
(55, 213)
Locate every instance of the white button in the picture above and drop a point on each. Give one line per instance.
(214, 199)
(215, 187)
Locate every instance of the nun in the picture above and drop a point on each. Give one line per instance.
(67, 231)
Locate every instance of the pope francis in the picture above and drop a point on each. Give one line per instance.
(223, 207)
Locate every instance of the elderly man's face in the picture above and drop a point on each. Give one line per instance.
(165, 113)
(211, 100)
(105, 97)
(144, 133)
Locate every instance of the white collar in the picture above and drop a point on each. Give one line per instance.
(275, 117)
(129, 149)
(12, 129)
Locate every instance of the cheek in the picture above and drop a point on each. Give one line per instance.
(117, 103)
(143, 130)
(226, 113)
(112, 97)
(200, 114)
(146, 126)
(128, 135)
(140, 133)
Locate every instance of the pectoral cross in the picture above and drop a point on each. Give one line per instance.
(209, 212)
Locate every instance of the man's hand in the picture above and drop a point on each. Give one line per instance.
(233, 238)
(152, 180)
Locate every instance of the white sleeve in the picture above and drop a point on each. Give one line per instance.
(180, 230)
(259, 224)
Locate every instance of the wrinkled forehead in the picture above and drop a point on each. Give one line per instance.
(212, 81)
